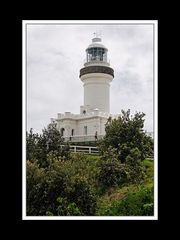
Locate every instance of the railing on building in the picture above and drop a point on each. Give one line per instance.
(83, 138)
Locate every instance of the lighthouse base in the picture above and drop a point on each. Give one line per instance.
(84, 127)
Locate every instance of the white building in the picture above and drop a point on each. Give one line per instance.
(96, 76)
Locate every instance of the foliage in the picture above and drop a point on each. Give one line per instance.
(148, 163)
(61, 179)
(136, 168)
(38, 146)
(64, 208)
(125, 133)
(111, 172)
(69, 188)
(34, 182)
(139, 203)
(82, 195)
(105, 203)
(60, 183)
(31, 145)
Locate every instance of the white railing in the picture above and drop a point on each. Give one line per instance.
(82, 116)
(82, 138)
(83, 149)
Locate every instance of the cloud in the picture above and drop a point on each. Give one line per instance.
(55, 54)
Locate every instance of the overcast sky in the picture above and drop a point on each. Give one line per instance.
(56, 53)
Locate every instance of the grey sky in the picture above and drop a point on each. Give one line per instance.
(55, 54)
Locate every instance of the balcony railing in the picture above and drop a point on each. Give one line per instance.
(83, 138)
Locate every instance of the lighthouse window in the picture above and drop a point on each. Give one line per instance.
(96, 54)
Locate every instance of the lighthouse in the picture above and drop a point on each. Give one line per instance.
(96, 76)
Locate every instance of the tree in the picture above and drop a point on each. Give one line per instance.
(111, 172)
(125, 133)
(65, 208)
(31, 145)
(136, 169)
(38, 146)
(58, 189)
(34, 190)
(66, 182)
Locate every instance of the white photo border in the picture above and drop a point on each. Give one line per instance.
(155, 108)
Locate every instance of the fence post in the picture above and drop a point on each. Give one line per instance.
(74, 148)
(89, 149)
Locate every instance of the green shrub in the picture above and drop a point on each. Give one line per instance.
(62, 179)
(135, 166)
(38, 146)
(34, 192)
(134, 204)
(125, 133)
(81, 193)
(110, 170)
(65, 208)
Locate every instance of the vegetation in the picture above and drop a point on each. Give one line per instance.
(119, 182)
(138, 203)
(38, 146)
(69, 180)
(126, 133)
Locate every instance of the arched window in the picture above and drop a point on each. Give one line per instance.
(62, 131)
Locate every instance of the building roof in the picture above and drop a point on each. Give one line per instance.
(96, 43)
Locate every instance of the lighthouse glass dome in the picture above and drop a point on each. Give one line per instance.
(96, 51)
(96, 54)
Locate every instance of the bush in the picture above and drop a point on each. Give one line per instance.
(39, 146)
(34, 182)
(65, 208)
(134, 204)
(125, 133)
(59, 189)
(82, 195)
(111, 172)
(135, 166)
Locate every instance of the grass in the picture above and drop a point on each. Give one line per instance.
(148, 163)
(108, 202)
(111, 201)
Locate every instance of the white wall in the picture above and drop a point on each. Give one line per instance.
(96, 90)
(68, 125)
(93, 124)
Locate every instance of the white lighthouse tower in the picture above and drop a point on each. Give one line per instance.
(96, 76)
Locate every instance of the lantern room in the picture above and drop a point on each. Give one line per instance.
(96, 51)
